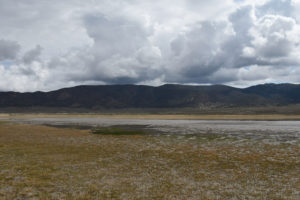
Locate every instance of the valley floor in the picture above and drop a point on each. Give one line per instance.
(41, 162)
(156, 116)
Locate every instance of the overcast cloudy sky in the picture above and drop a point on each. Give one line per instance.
(46, 45)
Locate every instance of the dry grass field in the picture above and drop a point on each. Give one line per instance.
(40, 162)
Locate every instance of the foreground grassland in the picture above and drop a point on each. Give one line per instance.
(158, 116)
(39, 162)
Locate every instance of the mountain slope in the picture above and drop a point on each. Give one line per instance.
(166, 96)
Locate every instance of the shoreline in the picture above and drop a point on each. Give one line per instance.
(242, 117)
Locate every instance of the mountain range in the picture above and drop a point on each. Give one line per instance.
(165, 96)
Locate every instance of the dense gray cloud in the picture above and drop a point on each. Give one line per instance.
(32, 55)
(66, 43)
(8, 49)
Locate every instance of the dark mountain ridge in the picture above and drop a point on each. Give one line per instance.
(165, 96)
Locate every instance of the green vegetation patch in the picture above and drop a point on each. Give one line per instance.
(117, 131)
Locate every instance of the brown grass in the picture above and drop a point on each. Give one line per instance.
(39, 162)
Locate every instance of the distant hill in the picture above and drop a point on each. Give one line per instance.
(166, 96)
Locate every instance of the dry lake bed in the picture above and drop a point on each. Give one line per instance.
(60, 158)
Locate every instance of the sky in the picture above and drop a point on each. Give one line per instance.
(47, 45)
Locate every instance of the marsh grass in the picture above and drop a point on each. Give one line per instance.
(40, 162)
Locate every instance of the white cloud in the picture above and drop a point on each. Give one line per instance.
(149, 42)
